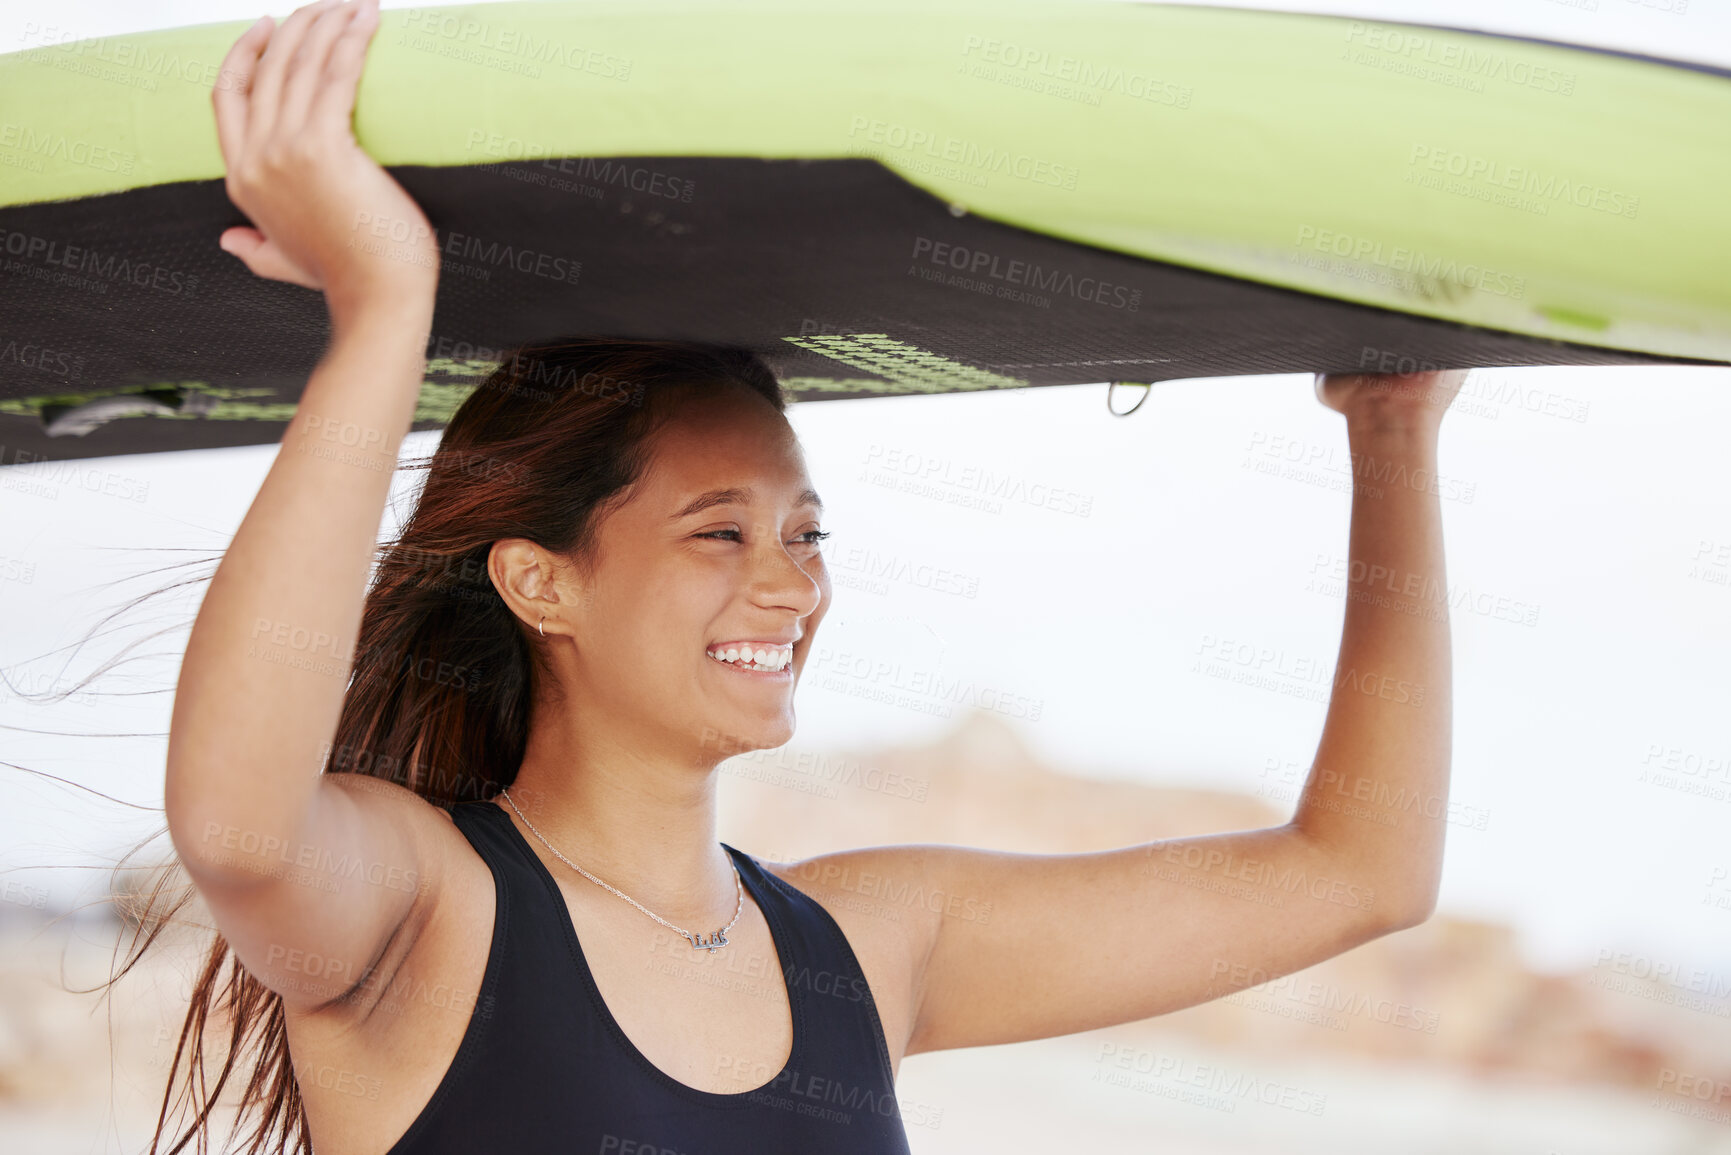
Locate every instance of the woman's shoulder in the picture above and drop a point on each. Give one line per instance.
(879, 899)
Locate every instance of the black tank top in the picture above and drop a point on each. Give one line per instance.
(544, 1068)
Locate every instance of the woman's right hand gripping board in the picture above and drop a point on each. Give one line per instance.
(325, 214)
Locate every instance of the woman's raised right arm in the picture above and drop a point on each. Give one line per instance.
(295, 863)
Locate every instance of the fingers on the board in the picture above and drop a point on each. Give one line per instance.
(267, 85)
(306, 75)
(233, 86)
(336, 99)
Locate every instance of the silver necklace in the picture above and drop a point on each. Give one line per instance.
(712, 943)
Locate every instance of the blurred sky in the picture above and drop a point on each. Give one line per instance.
(1599, 508)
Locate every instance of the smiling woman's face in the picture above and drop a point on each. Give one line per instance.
(717, 546)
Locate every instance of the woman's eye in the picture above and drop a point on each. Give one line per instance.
(811, 536)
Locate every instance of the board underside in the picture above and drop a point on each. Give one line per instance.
(938, 199)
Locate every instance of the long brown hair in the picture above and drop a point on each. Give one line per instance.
(542, 449)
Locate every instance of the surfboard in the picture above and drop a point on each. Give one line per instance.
(880, 199)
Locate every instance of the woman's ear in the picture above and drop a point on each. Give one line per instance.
(526, 577)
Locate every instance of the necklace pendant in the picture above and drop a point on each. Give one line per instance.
(711, 944)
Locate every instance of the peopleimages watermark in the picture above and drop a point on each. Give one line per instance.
(927, 471)
(23, 894)
(924, 691)
(1482, 394)
(1669, 7)
(894, 891)
(601, 170)
(341, 1080)
(461, 245)
(943, 148)
(40, 146)
(1220, 1087)
(459, 35)
(1461, 63)
(1665, 981)
(1206, 862)
(1063, 76)
(120, 60)
(1519, 186)
(1273, 669)
(252, 851)
(810, 772)
(56, 472)
(1284, 782)
(1711, 562)
(1421, 271)
(42, 358)
(345, 442)
(41, 685)
(317, 650)
(978, 262)
(1718, 888)
(1687, 771)
(863, 568)
(518, 374)
(817, 1095)
(16, 569)
(1333, 575)
(1326, 1001)
(1681, 1093)
(49, 256)
(1296, 459)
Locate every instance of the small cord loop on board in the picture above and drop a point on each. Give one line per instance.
(1147, 387)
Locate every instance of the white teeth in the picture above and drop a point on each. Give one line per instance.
(766, 658)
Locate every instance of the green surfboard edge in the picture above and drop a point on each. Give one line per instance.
(1309, 152)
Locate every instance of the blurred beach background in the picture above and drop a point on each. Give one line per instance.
(1057, 630)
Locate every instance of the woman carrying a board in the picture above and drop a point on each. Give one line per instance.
(456, 825)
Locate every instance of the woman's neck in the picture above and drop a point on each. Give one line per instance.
(645, 825)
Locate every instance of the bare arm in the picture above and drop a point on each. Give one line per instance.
(1377, 794)
(1024, 946)
(293, 862)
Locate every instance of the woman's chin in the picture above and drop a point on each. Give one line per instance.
(736, 733)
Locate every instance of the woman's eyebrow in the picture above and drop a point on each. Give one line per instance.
(737, 495)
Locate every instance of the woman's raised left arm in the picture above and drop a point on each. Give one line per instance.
(1074, 942)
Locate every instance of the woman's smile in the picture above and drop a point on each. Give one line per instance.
(758, 659)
